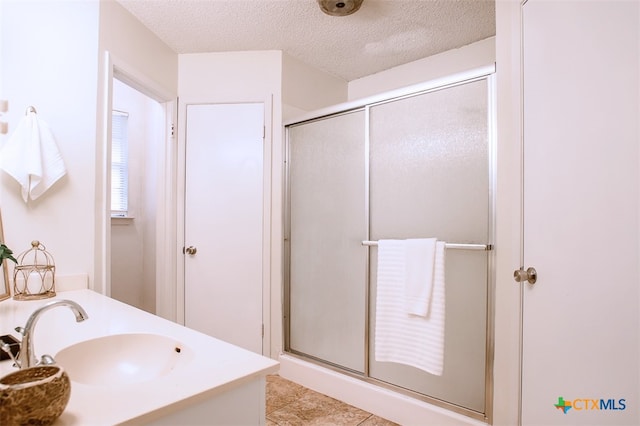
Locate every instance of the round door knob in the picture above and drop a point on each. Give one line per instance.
(530, 275)
(191, 250)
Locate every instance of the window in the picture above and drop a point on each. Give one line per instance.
(119, 164)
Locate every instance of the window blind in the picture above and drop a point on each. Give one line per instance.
(119, 164)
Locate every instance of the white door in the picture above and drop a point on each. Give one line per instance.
(224, 221)
(581, 189)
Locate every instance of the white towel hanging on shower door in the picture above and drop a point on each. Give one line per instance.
(400, 336)
(419, 269)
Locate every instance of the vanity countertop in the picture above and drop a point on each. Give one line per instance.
(217, 366)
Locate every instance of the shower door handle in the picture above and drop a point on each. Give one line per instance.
(530, 275)
(191, 250)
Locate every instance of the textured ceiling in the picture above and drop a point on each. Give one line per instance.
(381, 35)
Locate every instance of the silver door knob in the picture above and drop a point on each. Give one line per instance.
(530, 275)
(191, 250)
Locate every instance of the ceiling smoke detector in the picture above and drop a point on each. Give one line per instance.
(340, 7)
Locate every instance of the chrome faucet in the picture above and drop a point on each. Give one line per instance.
(26, 356)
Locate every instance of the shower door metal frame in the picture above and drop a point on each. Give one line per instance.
(286, 308)
(484, 73)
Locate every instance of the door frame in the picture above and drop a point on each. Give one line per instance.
(165, 221)
(180, 203)
(507, 390)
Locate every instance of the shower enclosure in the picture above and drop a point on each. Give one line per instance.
(410, 165)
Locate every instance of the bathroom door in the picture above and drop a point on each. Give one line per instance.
(224, 221)
(581, 187)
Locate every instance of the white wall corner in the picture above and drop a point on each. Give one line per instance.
(305, 88)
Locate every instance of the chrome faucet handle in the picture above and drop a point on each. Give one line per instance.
(7, 348)
(46, 360)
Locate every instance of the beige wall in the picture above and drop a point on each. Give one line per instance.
(225, 76)
(50, 61)
(306, 89)
(55, 62)
(138, 50)
(475, 55)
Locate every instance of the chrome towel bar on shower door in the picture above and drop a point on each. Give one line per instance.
(484, 247)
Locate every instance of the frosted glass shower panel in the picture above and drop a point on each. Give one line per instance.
(327, 222)
(429, 165)
(429, 175)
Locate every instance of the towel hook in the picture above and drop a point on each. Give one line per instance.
(30, 109)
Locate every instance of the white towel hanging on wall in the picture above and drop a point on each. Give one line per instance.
(31, 156)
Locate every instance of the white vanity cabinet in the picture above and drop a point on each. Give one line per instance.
(220, 384)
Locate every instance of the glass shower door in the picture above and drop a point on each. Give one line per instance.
(327, 282)
(417, 166)
(430, 177)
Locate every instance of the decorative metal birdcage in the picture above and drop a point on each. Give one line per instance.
(34, 274)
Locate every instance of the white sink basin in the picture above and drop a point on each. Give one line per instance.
(123, 359)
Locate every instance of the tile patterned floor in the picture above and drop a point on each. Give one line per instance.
(289, 404)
